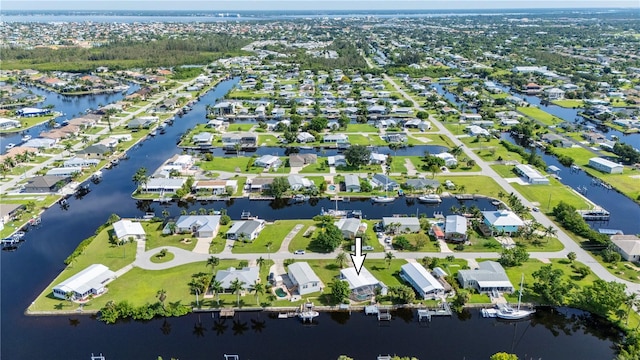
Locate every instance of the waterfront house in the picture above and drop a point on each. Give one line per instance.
(8, 212)
(95, 151)
(183, 161)
(557, 140)
(40, 143)
(422, 184)
(384, 182)
(376, 158)
(32, 112)
(404, 224)
(163, 185)
(143, 122)
(502, 221)
(352, 183)
(205, 226)
(8, 124)
(229, 140)
(297, 182)
(300, 160)
(627, 245)
(305, 137)
(362, 286)
(449, 159)
(268, 162)
(337, 160)
(46, 184)
(215, 187)
(304, 279)
(80, 162)
(488, 278)
(531, 175)
(91, 281)
(260, 184)
(246, 276)
(554, 94)
(127, 230)
(421, 280)
(202, 139)
(475, 130)
(348, 226)
(455, 228)
(64, 171)
(336, 138)
(246, 230)
(606, 166)
(470, 117)
(395, 138)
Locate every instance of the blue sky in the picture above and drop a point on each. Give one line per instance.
(304, 4)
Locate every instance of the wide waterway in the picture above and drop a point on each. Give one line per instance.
(25, 272)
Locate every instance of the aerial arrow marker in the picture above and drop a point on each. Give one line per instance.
(358, 258)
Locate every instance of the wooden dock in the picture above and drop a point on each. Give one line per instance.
(227, 313)
(384, 315)
(426, 314)
(596, 214)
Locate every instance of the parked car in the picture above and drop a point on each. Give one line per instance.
(298, 252)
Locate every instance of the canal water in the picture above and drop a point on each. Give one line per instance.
(29, 269)
(69, 106)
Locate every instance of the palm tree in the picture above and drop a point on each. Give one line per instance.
(202, 211)
(388, 257)
(269, 244)
(161, 295)
(69, 295)
(236, 287)
(258, 288)
(550, 231)
(165, 213)
(341, 259)
(260, 262)
(455, 151)
(213, 262)
(140, 177)
(462, 188)
(216, 287)
(632, 301)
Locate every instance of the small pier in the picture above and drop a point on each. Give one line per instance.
(464, 197)
(371, 310)
(97, 357)
(306, 313)
(384, 315)
(426, 314)
(227, 313)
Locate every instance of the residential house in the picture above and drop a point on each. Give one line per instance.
(348, 226)
(404, 224)
(531, 175)
(143, 122)
(376, 158)
(502, 221)
(183, 161)
(202, 139)
(363, 286)
(246, 230)
(247, 277)
(297, 182)
(304, 279)
(268, 162)
(216, 187)
(8, 212)
(395, 137)
(95, 151)
(337, 160)
(32, 112)
(225, 108)
(455, 228)
(163, 185)
(475, 130)
(64, 171)
(305, 137)
(628, 246)
(470, 117)
(606, 166)
(205, 226)
(229, 140)
(260, 184)
(352, 183)
(421, 280)
(449, 159)
(336, 138)
(7, 124)
(384, 182)
(300, 160)
(40, 143)
(91, 281)
(80, 162)
(556, 139)
(127, 230)
(555, 94)
(422, 184)
(45, 184)
(488, 278)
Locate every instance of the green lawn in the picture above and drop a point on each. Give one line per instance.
(540, 115)
(229, 164)
(28, 122)
(319, 167)
(275, 233)
(361, 128)
(155, 238)
(430, 246)
(356, 139)
(568, 103)
(474, 184)
(548, 196)
(300, 241)
(267, 140)
(388, 274)
(505, 171)
(435, 139)
(498, 153)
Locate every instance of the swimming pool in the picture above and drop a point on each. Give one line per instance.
(331, 187)
(280, 293)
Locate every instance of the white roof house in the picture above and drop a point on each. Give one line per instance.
(362, 286)
(39, 143)
(348, 226)
(90, 281)
(455, 228)
(268, 161)
(421, 280)
(80, 162)
(304, 278)
(502, 221)
(247, 276)
(530, 174)
(246, 229)
(605, 165)
(126, 229)
(411, 223)
(489, 277)
(628, 246)
(200, 225)
(64, 171)
(162, 185)
(298, 182)
(449, 159)
(475, 130)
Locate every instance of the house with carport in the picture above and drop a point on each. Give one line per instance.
(246, 230)
(205, 226)
(502, 221)
(91, 281)
(362, 286)
(427, 286)
(488, 278)
(405, 224)
(304, 279)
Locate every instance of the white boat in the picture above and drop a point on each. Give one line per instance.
(10, 146)
(153, 133)
(383, 199)
(506, 312)
(430, 199)
(26, 138)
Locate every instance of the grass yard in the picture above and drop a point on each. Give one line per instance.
(275, 233)
(429, 245)
(240, 127)
(319, 167)
(300, 241)
(155, 238)
(389, 274)
(326, 269)
(548, 196)
(229, 164)
(435, 139)
(568, 103)
(505, 171)
(267, 140)
(361, 128)
(356, 139)
(539, 115)
(483, 185)
(498, 153)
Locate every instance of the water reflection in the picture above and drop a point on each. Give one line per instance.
(340, 317)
